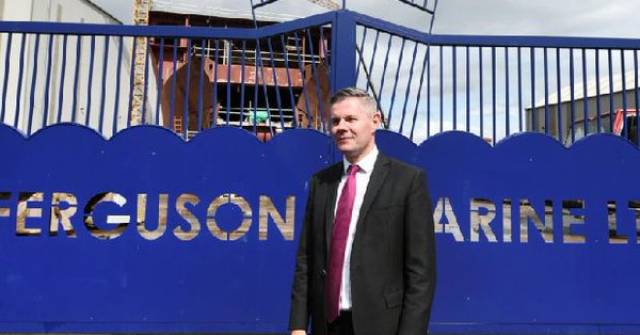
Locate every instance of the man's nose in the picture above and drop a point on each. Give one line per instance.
(340, 125)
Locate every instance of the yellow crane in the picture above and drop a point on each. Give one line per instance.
(140, 17)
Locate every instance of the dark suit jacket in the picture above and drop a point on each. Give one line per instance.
(392, 258)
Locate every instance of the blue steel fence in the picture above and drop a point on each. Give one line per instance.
(278, 77)
(496, 86)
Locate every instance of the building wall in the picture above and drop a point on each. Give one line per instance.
(94, 87)
(578, 114)
(54, 10)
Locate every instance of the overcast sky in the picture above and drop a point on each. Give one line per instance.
(598, 18)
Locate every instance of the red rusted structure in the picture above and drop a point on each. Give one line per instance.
(233, 66)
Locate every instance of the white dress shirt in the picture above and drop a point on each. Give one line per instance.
(362, 181)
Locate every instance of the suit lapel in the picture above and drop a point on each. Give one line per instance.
(330, 203)
(378, 175)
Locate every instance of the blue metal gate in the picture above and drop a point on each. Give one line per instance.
(191, 226)
(491, 86)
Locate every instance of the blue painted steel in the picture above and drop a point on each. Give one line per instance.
(597, 79)
(7, 70)
(625, 130)
(372, 63)
(636, 94)
(407, 90)
(275, 83)
(76, 76)
(507, 123)
(200, 86)
(313, 21)
(395, 83)
(242, 85)
(559, 95)
(384, 69)
(497, 41)
(343, 46)
(105, 65)
(415, 5)
(481, 91)
(261, 79)
(19, 82)
(361, 59)
(407, 35)
(34, 72)
(441, 87)
(90, 81)
(369, 84)
(261, 3)
(214, 97)
(47, 85)
(585, 105)
(611, 108)
(428, 120)
(160, 79)
(433, 17)
(448, 41)
(301, 24)
(243, 285)
(116, 103)
(256, 88)
(227, 54)
(493, 94)
(167, 31)
(467, 77)
(425, 63)
(497, 267)
(546, 92)
(286, 66)
(174, 78)
(532, 61)
(520, 117)
(187, 93)
(454, 110)
(572, 126)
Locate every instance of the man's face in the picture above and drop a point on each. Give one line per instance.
(353, 128)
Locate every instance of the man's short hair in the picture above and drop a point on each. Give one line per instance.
(369, 104)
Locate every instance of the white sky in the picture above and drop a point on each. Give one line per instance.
(597, 18)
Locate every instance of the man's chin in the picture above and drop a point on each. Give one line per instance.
(344, 148)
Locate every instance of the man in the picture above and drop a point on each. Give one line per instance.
(366, 260)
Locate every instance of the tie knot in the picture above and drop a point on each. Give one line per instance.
(353, 169)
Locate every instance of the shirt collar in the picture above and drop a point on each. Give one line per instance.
(365, 164)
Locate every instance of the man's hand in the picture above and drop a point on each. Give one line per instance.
(298, 332)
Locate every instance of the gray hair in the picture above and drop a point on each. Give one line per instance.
(368, 103)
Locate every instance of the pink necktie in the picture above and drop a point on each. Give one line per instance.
(339, 242)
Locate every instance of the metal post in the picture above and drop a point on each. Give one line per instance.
(343, 51)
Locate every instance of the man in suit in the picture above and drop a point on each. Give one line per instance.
(366, 259)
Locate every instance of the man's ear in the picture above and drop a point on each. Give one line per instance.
(377, 119)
